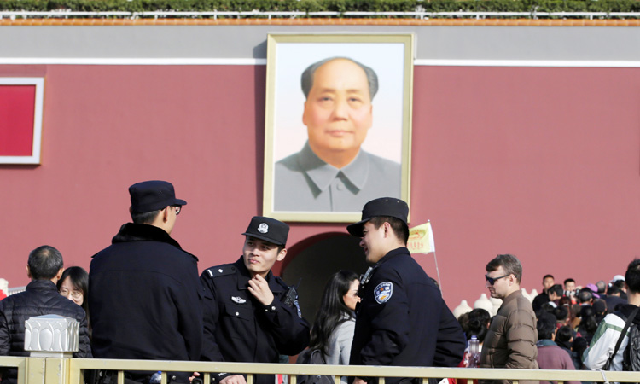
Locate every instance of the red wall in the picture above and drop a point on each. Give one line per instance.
(540, 162)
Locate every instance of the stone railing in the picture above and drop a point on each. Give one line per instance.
(491, 305)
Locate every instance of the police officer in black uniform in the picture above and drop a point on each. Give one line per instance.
(402, 318)
(250, 315)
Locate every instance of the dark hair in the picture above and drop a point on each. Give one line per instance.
(587, 321)
(306, 80)
(80, 280)
(613, 290)
(44, 263)
(548, 307)
(545, 276)
(600, 308)
(478, 320)
(563, 337)
(398, 226)
(546, 325)
(632, 276)
(556, 289)
(333, 310)
(561, 313)
(564, 333)
(579, 346)
(510, 264)
(619, 284)
(464, 322)
(144, 217)
(585, 295)
(569, 280)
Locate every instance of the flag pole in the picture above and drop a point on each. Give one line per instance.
(432, 246)
(437, 270)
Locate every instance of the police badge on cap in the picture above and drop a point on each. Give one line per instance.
(268, 229)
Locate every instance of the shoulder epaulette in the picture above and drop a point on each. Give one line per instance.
(221, 270)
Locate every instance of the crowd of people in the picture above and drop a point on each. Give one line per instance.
(577, 327)
(143, 299)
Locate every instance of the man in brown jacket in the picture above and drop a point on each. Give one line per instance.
(511, 340)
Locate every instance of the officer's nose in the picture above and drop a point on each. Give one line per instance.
(361, 243)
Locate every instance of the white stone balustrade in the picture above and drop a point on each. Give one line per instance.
(4, 286)
(491, 305)
(51, 336)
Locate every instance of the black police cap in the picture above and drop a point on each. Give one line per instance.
(268, 229)
(153, 195)
(384, 206)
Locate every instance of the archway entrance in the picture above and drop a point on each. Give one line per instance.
(312, 261)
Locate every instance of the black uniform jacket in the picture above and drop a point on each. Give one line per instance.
(402, 318)
(144, 297)
(238, 328)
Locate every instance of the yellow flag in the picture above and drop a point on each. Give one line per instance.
(421, 239)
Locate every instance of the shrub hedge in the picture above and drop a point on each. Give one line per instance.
(326, 5)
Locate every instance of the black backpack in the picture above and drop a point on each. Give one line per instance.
(313, 356)
(631, 354)
(631, 360)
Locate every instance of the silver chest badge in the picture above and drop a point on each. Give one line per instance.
(263, 228)
(238, 300)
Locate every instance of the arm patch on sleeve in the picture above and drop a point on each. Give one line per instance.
(383, 292)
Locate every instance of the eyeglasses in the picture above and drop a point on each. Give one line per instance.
(492, 280)
(75, 294)
(178, 209)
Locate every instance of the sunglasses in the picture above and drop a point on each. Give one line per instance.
(492, 280)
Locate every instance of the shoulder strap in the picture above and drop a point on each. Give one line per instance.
(627, 323)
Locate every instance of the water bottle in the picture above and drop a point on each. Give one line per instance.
(474, 352)
(155, 378)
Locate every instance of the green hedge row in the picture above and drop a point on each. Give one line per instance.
(326, 5)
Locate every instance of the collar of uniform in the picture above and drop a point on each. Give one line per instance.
(145, 232)
(392, 254)
(244, 276)
(322, 174)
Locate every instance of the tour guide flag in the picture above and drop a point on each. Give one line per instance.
(421, 239)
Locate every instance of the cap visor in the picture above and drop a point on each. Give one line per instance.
(357, 229)
(263, 238)
(179, 202)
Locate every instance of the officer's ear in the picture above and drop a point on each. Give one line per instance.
(282, 254)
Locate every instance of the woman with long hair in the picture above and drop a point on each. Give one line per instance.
(332, 331)
(74, 285)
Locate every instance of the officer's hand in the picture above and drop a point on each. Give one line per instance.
(234, 379)
(259, 288)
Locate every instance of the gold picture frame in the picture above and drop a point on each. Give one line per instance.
(332, 142)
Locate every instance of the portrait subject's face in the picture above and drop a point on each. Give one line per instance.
(338, 110)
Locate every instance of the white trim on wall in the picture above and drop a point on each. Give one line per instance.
(241, 61)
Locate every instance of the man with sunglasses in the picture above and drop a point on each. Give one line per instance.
(144, 291)
(402, 319)
(512, 337)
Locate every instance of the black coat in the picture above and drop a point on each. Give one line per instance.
(145, 298)
(40, 298)
(238, 328)
(402, 319)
